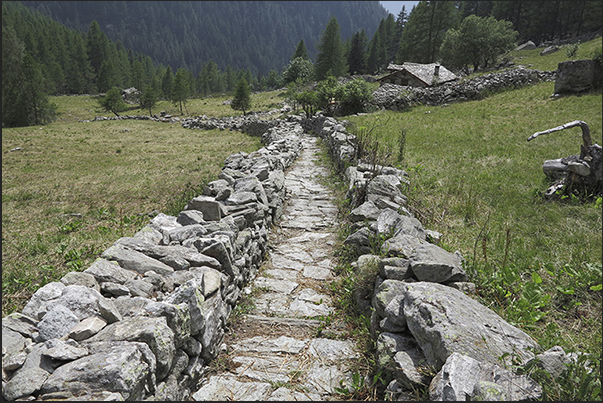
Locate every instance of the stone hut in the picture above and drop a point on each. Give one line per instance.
(417, 75)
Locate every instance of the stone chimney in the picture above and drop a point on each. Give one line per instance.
(437, 70)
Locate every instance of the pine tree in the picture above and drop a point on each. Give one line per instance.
(300, 51)
(357, 56)
(180, 90)
(112, 101)
(139, 78)
(13, 51)
(167, 82)
(107, 76)
(149, 96)
(97, 46)
(373, 61)
(424, 32)
(330, 59)
(230, 78)
(242, 97)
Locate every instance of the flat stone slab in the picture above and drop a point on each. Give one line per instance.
(327, 349)
(229, 388)
(281, 262)
(282, 274)
(262, 344)
(317, 273)
(267, 368)
(283, 286)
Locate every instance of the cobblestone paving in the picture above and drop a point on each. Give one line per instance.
(279, 351)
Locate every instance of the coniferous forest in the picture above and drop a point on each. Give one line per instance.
(82, 47)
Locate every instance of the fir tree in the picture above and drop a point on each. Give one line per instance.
(167, 82)
(373, 61)
(357, 56)
(424, 32)
(180, 90)
(330, 57)
(112, 101)
(242, 97)
(300, 51)
(149, 96)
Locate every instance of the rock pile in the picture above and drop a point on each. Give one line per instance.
(421, 312)
(399, 97)
(253, 123)
(143, 320)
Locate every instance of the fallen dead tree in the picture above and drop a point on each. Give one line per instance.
(576, 174)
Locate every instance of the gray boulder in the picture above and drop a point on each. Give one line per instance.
(360, 241)
(153, 331)
(208, 206)
(385, 187)
(56, 323)
(443, 320)
(81, 300)
(576, 76)
(400, 355)
(395, 268)
(80, 278)
(126, 368)
(20, 323)
(190, 293)
(554, 361)
(549, 49)
(109, 271)
(36, 306)
(430, 262)
(136, 261)
(87, 328)
(529, 45)
(367, 211)
(463, 378)
(190, 217)
(401, 245)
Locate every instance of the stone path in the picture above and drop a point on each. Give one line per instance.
(281, 349)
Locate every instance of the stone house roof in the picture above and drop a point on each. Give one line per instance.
(424, 75)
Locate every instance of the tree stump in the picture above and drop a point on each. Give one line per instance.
(576, 174)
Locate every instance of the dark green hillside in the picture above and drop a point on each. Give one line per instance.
(259, 35)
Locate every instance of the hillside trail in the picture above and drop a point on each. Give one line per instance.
(281, 349)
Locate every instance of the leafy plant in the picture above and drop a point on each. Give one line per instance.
(359, 387)
(572, 49)
(579, 381)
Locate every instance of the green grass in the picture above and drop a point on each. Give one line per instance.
(111, 173)
(532, 59)
(476, 179)
(80, 107)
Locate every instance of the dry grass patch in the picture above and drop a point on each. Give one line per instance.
(75, 188)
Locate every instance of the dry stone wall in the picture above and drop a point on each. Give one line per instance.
(142, 322)
(421, 311)
(399, 97)
(145, 318)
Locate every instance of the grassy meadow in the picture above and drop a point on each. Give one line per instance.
(476, 179)
(75, 188)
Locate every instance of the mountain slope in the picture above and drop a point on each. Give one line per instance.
(259, 35)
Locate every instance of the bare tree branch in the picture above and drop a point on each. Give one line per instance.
(583, 125)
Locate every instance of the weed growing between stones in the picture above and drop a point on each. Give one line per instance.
(178, 201)
(580, 380)
(350, 287)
